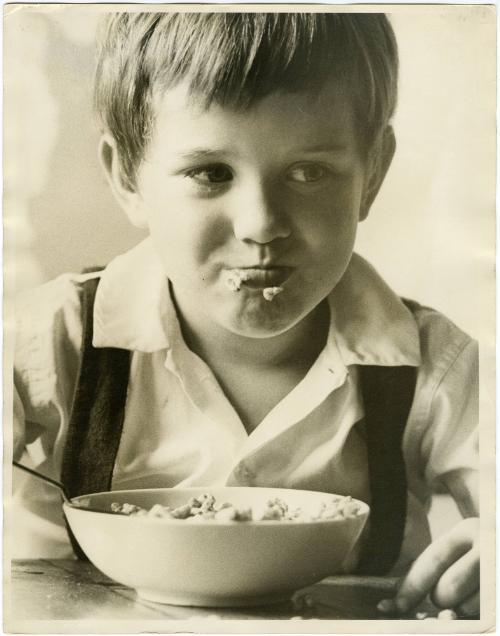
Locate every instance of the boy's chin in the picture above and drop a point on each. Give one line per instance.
(267, 323)
(259, 332)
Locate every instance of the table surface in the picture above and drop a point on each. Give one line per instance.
(49, 590)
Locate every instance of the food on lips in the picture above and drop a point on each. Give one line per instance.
(236, 278)
(205, 508)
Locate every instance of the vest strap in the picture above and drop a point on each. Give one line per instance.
(387, 395)
(97, 413)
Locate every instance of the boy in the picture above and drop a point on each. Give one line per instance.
(243, 342)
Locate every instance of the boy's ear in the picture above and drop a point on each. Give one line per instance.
(378, 167)
(129, 198)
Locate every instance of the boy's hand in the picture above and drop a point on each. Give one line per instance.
(448, 570)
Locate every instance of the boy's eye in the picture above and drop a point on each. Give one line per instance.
(307, 173)
(210, 175)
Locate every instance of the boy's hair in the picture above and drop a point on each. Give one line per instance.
(235, 59)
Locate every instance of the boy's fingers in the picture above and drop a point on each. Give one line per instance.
(459, 582)
(467, 608)
(430, 566)
(470, 607)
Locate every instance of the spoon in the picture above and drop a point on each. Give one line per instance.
(62, 490)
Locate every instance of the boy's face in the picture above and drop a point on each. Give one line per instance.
(275, 191)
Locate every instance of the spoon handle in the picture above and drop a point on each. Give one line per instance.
(53, 482)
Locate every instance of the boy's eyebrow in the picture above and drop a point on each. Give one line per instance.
(331, 147)
(202, 153)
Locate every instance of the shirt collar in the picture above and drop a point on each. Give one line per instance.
(369, 323)
(132, 302)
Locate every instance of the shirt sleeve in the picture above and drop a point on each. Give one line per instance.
(449, 443)
(440, 443)
(46, 357)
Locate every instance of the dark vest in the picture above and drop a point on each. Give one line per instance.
(97, 415)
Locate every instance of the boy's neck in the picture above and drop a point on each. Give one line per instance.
(214, 344)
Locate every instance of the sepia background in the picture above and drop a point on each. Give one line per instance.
(430, 232)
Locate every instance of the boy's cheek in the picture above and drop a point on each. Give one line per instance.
(330, 242)
(189, 267)
(193, 229)
(214, 239)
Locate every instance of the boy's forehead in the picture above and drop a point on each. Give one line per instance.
(308, 116)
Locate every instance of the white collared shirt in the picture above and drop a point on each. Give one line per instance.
(181, 430)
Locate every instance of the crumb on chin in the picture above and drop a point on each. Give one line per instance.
(270, 292)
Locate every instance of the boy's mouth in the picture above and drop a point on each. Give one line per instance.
(257, 277)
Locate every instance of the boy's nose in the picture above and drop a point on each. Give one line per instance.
(258, 217)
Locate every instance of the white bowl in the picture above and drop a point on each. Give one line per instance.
(213, 563)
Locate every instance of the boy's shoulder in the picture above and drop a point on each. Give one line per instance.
(128, 284)
(433, 323)
(47, 325)
(54, 306)
(442, 342)
(62, 293)
(374, 325)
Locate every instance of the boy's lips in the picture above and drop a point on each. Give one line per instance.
(262, 277)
